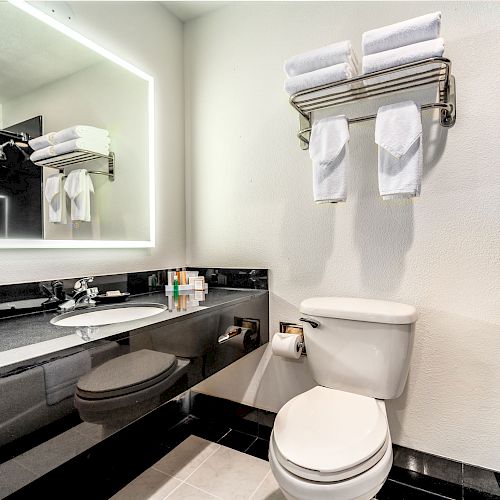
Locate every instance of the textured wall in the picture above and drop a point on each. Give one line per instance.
(250, 203)
(148, 36)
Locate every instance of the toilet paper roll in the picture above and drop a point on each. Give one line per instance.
(287, 345)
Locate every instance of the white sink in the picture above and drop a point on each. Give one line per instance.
(108, 316)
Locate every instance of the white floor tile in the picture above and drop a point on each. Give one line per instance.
(188, 492)
(268, 490)
(150, 485)
(183, 460)
(229, 474)
(13, 476)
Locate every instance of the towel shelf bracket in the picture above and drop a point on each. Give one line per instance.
(71, 159)
(433, 71)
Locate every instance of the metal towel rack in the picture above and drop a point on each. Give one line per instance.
(436, 70)
(62, 161)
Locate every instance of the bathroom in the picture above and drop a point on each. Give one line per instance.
(208, 179)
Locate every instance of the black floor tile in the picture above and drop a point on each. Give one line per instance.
(472, 494)
(397, 491)
(426, 483)
(237, 440)
(482, 480)
(260, 449)
(211, 431)
(427, 464)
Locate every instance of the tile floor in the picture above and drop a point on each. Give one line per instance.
(198, 469)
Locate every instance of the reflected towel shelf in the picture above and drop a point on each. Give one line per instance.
(433, 71)
(79, 156)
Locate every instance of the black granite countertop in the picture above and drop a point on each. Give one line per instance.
(18, 335)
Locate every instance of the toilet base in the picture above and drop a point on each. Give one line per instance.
(362, 487)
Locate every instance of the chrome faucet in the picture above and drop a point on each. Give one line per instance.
(83, 296)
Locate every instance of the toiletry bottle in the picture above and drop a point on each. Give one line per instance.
(176, 286)
(183, 276)
(178, 274)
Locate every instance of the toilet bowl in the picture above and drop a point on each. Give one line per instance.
(124, 388)
(333, 441)
(329, 444)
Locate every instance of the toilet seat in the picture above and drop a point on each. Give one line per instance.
(326, 435)
(127, 374)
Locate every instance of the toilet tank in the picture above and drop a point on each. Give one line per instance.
(359, 345)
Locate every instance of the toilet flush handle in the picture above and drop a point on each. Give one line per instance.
(313, 323)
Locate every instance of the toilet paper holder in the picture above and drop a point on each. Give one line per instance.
(294, 329)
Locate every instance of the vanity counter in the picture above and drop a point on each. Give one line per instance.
(32, 337)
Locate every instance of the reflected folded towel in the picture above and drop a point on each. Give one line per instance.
(398, 133)
(403, 55)
(61, 376)
(330, 55)
(98, 145)
(56, 198)
(319, 77)
(418, 29)
(68, 134)
(329, 152)
(78, 186)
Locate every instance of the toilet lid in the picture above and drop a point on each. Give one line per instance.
(330, 431)
(128, 373)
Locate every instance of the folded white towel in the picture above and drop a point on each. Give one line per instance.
(78, 186)
(67, 134)
(95, 144)
(329, 152)
(56, 198)
(403, 55)
(418, 29)
(322, 76)
(398, 133)
(323, 57)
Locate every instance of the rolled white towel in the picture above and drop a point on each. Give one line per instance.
(67, 134)
(319, 77)
(418, 29)
(97, 145)
(403, 55)
(330, 55)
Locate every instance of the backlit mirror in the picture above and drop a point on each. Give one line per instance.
(88, 180)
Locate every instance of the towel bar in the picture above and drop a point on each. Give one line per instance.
(436, 70)
(62, 161)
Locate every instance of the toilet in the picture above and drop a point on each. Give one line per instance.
(333, 441)
(125, 388)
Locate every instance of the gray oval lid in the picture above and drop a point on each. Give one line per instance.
(127, 370)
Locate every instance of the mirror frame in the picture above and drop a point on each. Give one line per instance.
(33, 243)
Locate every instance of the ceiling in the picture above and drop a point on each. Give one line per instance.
(185, 10)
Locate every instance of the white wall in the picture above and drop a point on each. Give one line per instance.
(250, 204)
(148, 36)
(108, 96)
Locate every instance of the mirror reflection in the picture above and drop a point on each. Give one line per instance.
(74, 155)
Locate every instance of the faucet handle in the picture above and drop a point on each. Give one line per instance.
(92, 292)
(82, 284)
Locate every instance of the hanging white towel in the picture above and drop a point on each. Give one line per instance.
(418, 29)
(67, 134)
(319, 77)
(95, 144)
(78, 186)
(398, 133)
(403, 55)
(56, 199)
(330, 55)
(329, 152)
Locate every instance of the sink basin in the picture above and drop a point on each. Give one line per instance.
(108, 315)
